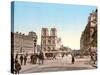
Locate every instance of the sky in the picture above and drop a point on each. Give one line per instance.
(70, 20)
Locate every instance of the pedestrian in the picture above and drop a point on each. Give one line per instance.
(41, 58)
(21, 59)
(73, 59)
(17, 67)
(31, 57)
(62, 55)
(92, 58)
(26, 54)
(96, 57)
(54, 56)
(16, 57)
(36, 58)
(25, 59)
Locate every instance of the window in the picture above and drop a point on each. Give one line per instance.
(49, 41)
(44, 42)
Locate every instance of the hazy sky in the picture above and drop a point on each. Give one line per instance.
(70, 20)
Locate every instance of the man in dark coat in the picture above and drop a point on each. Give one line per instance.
(41, 58)
(17, 67)
(21, 59)
(73, 59)
(25, 59)
(31, 57)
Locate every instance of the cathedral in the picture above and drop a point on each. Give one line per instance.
(48, 39)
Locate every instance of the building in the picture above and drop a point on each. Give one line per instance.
(88, 40)
(59, 43)
(49, 40)
(22, 44)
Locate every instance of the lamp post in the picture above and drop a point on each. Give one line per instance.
(34, 46)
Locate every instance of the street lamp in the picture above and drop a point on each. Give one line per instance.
(34, 46)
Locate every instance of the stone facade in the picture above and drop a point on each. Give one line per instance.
(22, 43)
(49, 39)
(88, 38)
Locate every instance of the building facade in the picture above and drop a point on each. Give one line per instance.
(22, 43)
(49, 40)
(88, 40)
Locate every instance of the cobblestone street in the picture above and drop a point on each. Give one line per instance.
(59, 64)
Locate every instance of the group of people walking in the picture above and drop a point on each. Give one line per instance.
(17, 64)
(22, 60)
(34, 59)
(37, 58)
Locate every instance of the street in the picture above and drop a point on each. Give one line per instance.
(59, 64)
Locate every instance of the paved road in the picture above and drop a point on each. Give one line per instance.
(58, 65)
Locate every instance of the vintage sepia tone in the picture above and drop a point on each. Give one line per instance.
(49, 37)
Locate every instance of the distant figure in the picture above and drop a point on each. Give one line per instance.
(93, 58)
(25, 59)
(17, 67)
(16, 56)
(73, 59)
(54, 56)
(62, 55)
(16, 59)
(21, 59)
(31, 57)
(96, 57)
(36, 58)
(41, 58)
(26, 54)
